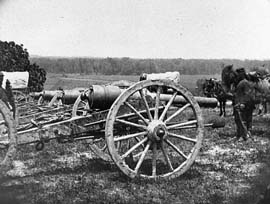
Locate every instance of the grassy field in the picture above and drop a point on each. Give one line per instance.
(70, 81)
(225, 172)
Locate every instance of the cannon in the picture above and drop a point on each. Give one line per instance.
(47, 102)
(57, 96)
(147, 134)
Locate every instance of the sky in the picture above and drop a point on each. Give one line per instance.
(207, 29)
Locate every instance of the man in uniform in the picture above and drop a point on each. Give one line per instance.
(244, 105)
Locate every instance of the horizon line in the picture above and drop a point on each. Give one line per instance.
(241, 59)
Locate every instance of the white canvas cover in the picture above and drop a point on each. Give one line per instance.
(18, 80)
(174, 76)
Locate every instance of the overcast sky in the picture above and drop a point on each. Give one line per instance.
(139, 28)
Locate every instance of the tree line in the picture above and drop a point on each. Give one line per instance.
(129, 66)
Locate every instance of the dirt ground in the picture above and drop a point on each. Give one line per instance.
(225, 172)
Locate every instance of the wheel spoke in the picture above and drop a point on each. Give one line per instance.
(136, 112)
(138, 140)
(177, 113)
(130, 136)
(176, 149)
(166, 156)
(154, 160)
(134, 147)
(167, 106)
(142, 157)
(146, 105)
(157, 103)
(182, 137)
(131, 124)
(192, 122)
(185, 127)
(2, 122)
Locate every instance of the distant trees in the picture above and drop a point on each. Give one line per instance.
(128, 66)
(14, 57)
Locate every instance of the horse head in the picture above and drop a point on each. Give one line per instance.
(228, 77)
(208, 87)
(263, 86)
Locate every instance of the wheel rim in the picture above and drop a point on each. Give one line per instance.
(164, 142)
(7, 138)
(19, 97)
(57, 99)
(81, 106)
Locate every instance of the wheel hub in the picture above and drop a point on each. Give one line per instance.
(156, 130)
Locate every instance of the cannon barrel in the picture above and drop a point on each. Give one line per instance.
(36, 95)
(202, 101)
(46, 94)
(70, 96)
(102, 97)
(67, 96)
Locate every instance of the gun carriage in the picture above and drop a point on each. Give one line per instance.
(146, 133)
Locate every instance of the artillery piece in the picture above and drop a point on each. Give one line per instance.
(147, 134)
(48, 102)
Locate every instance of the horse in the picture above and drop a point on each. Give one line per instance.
(264, 96)
(231, 78)
(213, 88)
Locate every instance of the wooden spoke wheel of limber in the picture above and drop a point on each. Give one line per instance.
(163, 138)
(19, 97)
(7, 138)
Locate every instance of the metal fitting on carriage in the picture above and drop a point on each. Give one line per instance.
(44, 135)
(40, 146)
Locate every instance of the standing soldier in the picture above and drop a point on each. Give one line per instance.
(244, 100)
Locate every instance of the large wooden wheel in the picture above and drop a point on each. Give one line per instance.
(19, 97)
(160, 140)
(7, 138)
